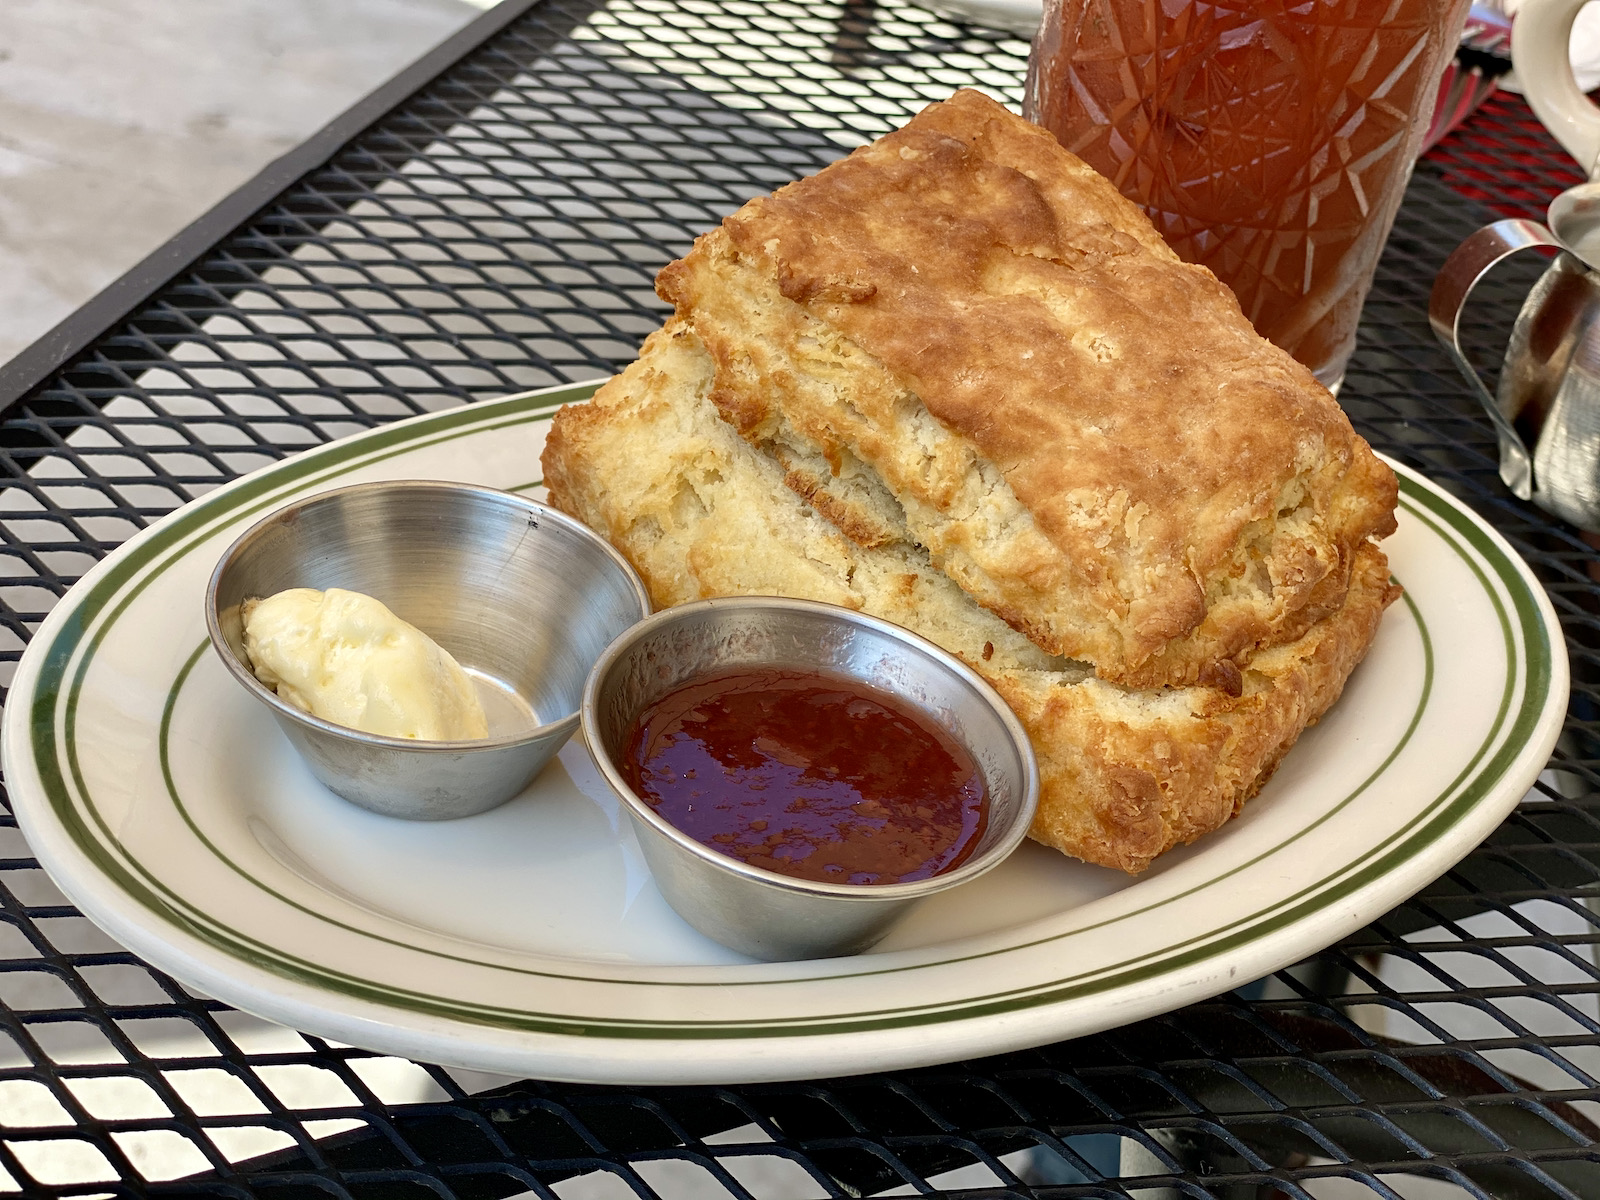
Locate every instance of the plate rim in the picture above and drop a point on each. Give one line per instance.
(1372, 891)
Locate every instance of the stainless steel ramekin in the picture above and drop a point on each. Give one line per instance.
(524, 597)
(762, 913)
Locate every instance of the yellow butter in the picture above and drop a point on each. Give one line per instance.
(344, 657)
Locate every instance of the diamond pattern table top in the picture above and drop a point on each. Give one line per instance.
(499, 229)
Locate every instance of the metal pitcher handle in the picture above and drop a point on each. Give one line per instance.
(1468, 263)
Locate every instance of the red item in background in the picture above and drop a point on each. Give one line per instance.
(1270, 141)
(1505, 159)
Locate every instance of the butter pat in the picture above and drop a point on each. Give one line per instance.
(344, 657)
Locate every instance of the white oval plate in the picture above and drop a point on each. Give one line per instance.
(530, 940)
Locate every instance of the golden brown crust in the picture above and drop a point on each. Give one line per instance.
(1126, 772)
(1119, 792)
(1084, 432)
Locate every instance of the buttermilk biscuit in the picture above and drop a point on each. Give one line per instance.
(1126, 773)
(964, 337)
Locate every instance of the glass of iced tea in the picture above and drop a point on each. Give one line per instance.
(1268, 139)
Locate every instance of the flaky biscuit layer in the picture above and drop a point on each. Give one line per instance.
(1126, 772)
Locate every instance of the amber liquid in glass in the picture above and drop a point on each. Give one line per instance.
(1269, 141)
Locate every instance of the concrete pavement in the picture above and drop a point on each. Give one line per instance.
(123, 120)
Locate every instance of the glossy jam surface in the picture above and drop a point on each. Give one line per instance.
(1267, 139)
(808, 775)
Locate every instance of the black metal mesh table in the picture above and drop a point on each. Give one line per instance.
(491, 222)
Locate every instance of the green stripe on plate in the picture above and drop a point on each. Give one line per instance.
(262, 948)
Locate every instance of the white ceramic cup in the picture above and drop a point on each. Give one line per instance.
(1540, 37)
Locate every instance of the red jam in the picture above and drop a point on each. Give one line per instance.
(808, 775)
